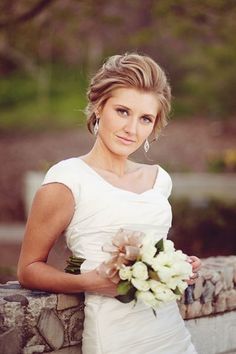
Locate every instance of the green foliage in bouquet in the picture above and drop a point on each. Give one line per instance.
(126, 291)
(74, 265)
(159, 246)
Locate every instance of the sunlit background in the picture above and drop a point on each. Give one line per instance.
(48, 51)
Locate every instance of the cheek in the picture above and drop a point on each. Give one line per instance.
(145, 131)
(110, 123)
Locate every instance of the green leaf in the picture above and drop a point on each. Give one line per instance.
(159, 246)
(177, 291)
(153, 275)
(128, 296)
(74, 265)
(123, 287)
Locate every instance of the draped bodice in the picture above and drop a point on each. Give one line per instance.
(101, 209)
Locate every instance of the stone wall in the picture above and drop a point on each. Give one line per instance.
(215, 290)
(41, 322)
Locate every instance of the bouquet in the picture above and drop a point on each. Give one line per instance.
(153, 272)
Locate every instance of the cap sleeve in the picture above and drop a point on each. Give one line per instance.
(64, 172)
(165, 183)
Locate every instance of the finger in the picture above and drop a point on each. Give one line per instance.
(195, 275)
(196, 269)
(192, 280)
(115, 279)
(194, 259)
(195, 262)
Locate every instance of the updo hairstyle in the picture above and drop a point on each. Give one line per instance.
(130, 70)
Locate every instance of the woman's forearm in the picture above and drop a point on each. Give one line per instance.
(40, 275)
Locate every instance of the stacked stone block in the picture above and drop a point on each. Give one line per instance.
(215, 290)
(40, 322)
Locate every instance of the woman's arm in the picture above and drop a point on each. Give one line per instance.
(51, 212)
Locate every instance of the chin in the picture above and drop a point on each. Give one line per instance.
(122, 151)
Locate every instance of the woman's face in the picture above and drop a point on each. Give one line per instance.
(127, 119)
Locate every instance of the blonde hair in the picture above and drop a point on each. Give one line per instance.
(129, 70)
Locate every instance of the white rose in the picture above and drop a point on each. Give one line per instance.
(154, 284)
(182, 285)
(140, 284)
(148, 298)
(125, 273)
(164, 273)
(140, 271)
(169, 246)
(182, 269)
(161, 291)
(163, 259)
(173, 282)
(147, 252)
(180, 255)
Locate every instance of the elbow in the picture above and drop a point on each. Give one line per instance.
(22, 277)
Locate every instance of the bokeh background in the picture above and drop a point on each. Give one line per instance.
(49, 49)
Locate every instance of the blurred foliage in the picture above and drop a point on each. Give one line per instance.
(24, 106)
(193, 40)
(204, 230)
(224, 162)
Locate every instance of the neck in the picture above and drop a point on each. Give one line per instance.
(99, 156)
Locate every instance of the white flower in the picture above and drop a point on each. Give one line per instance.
(183, 269)
(148, 298)
(147, 252)
(161, 291)
(163, 259)
(165, 273)
(182, 285)
(125, 273)
(140, 284)
(180, 255)
(169, 246)
(140, 271)
(173, 282)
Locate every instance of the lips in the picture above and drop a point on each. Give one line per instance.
(125, 139)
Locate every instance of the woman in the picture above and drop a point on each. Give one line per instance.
(91, 197)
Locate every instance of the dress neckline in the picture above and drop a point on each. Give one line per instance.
(121, 189)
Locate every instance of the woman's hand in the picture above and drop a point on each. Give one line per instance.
(99, 285)
(196, 266)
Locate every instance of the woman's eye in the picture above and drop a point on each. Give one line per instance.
(122, 112)
(147, 120)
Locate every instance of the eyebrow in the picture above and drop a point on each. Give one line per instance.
(128, 109)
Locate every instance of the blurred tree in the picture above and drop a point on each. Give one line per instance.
(206, 32)
(193, 41)
(26, 16)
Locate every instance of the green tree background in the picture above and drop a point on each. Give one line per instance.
(49, 49)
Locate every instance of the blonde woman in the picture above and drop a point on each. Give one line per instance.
(91, 197)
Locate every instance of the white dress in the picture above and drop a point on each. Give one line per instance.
(110, 326)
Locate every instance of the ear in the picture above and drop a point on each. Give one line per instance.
(153, 136)
(155, 133)
(97, 114)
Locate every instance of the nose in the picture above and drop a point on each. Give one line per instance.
(131, 126)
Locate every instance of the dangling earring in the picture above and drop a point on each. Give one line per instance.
(146, 146)
(96, 126)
